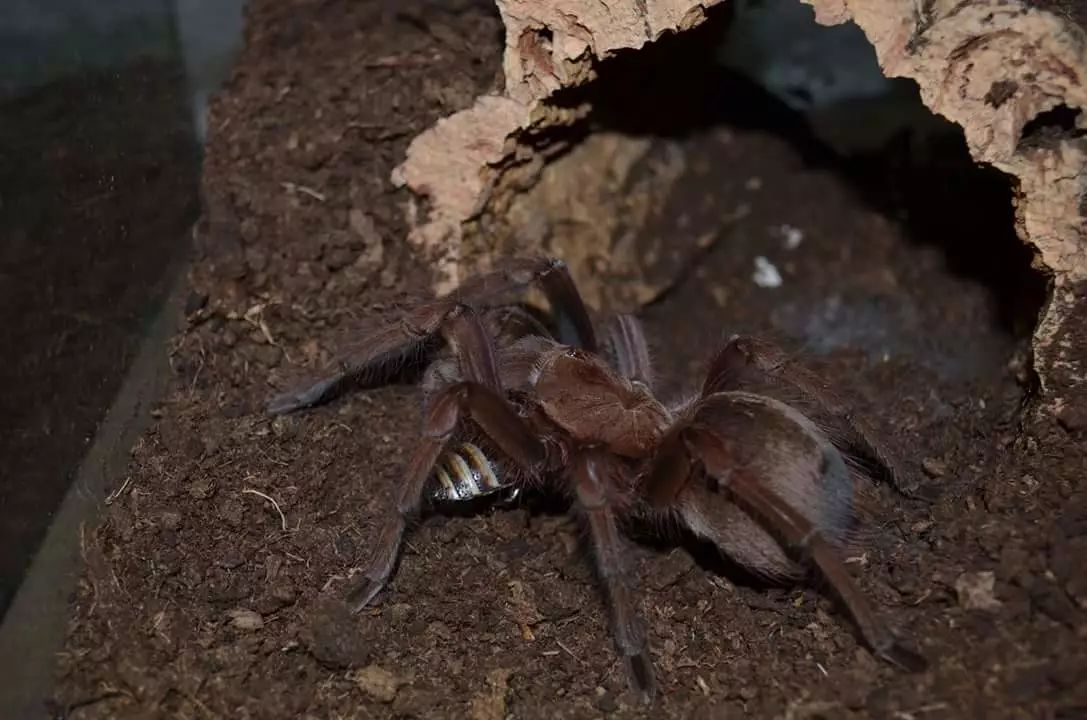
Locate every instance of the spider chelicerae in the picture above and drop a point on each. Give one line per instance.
(764, 461)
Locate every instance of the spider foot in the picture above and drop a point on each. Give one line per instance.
(364, 591)
(903, 657)
(641, 677)
(289, 402)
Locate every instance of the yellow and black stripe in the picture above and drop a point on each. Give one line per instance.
(464, 474)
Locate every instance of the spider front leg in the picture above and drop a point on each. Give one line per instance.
(630, 350)
(593, 489)
(571, 317)
(381, 348)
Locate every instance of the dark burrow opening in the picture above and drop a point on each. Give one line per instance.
(854, 223)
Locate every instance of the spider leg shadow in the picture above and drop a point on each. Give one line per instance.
(649, 533)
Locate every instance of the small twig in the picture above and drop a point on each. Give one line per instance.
(196, 376)
(374, 131)
(269, 498)
(327, 431)
(409, 60)
(112, 497)
(271, 459)
(333, 579)
(311, 192)
(255, 317)
(297, 558)
(568, 650)
(295, 187)
(108, 693)
(912, 714)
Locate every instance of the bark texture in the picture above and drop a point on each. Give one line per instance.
(998, 68)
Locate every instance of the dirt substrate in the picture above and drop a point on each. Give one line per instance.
(202, 601)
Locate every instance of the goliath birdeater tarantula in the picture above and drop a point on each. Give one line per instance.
(762, 462)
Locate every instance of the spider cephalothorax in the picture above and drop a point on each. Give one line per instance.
(763, 462)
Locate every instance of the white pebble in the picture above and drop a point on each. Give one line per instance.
(766, 275)
(793, 236)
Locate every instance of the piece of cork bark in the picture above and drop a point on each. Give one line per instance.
(991, 66)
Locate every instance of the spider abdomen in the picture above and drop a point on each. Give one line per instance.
(465, 473)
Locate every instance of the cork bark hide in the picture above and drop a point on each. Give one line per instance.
(991, 66)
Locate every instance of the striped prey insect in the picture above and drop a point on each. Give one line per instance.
(763, 461)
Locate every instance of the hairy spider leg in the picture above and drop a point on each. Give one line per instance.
(630, 349)
(573, 324)
(591, 484)
(710, 439)
(382, 347)
(805, 540)
(478, 397)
